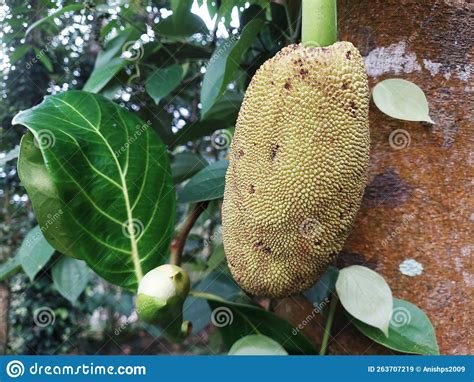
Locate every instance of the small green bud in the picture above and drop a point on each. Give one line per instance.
(160, 298)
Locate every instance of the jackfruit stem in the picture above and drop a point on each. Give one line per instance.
(319, 27)
(329, 321)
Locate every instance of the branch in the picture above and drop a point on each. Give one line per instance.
(177, 245)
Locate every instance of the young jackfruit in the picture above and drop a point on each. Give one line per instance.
(298, 167)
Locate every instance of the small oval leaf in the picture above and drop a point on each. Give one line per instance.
(256, 344)
(70, 277)
(401, 99)
(410, 330)
(34, 252)
(365, 295)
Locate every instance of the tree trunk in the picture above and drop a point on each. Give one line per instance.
(417, 203)
(4, 305)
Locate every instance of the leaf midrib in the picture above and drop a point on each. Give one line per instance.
(133, 241)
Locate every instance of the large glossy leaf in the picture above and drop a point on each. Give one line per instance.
(50, 17)
(365, 295)
(182, 23)
(44, 195)
(197, 310)
(236, 320)
(401, 99)
(207, 184)
(34, 252)
(112, 176)
(109, 62)
(101, 75)
(195, 130)
(44, 59)
(410, 330)
(226, 108)
(224, 63)
(216, 259)
(163, 81)
(185, 165)
(256, 344)
(70, 277)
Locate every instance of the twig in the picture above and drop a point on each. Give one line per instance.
(177, 245)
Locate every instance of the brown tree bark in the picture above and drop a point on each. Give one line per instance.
(418, 203)
(4, 306)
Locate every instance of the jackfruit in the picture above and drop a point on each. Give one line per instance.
(297, 168)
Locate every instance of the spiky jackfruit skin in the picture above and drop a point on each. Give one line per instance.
(298, 168)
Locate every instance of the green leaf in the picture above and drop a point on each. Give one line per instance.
(226, 108)
(43, 193)
(195, 130)
(225, 62)
(112, 48)
(163, 81)
(52, 16)
(236, 320)
(256, 344)
(34, 252)
(9, 267)
(112, 176)
(185, 165)
(410, 330)
(322, 290)
(401, 99)
(365, 295)
(19, 52)
(216, 259)
(182, 23)
(70, 278)
(196, 310)
(207, 184)
(44, 59)
(101, 75)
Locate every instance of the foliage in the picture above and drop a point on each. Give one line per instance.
(111, 166)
